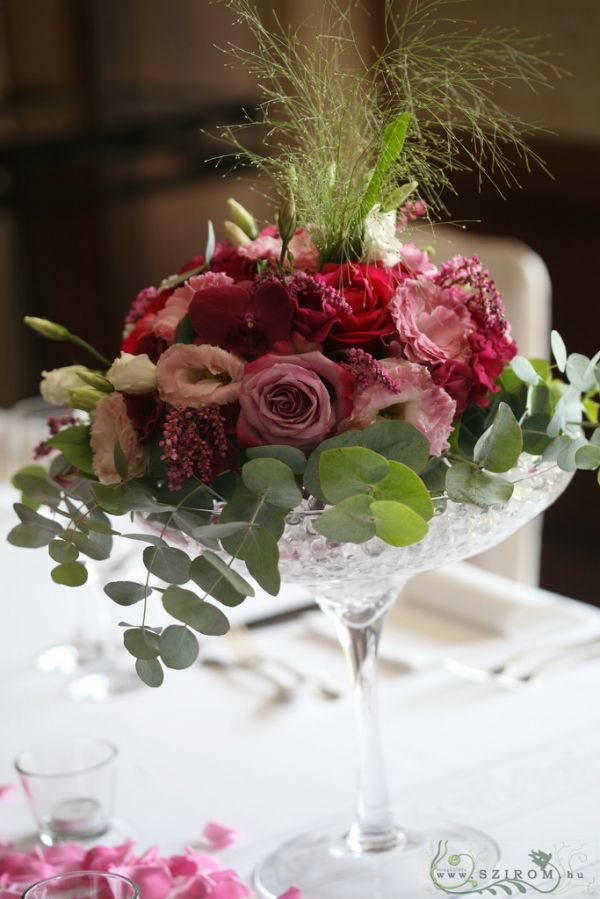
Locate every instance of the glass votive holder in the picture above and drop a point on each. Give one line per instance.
(84, 885)
(70, 785)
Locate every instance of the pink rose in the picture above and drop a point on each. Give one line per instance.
(433, 322)
(176, 307)
(192, 377)
(294, 400)
(111, 424)
(268, 246)
(415, 398)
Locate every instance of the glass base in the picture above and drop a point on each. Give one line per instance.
(323, 866)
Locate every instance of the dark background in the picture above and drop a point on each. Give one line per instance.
(105, 187)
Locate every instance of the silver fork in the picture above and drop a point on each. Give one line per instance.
(502, 674)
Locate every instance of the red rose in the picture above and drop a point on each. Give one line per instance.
(227, 259)
(368, 290)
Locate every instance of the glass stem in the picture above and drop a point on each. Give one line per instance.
(374, 829)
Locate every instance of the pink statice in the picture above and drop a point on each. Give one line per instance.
(191, 376)
(194, 445)
(414, 209)
(176, 307)
(111, 424)
(268, 247)
(219, 836)
(403, 391)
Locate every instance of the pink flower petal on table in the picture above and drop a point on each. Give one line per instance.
(218, 836)
(5, 790)
(228, 886)
(10, 894)
(191, 863)
(104, 858)
(154, 881)
(293, 893)
(65, 856)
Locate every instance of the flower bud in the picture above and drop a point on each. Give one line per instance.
(235, 235)
(399, 196)
(287, 219)
(47, 328)
(97, 380)
(242, 218)
(85, 398)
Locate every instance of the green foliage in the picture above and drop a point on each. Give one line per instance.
(167, 563)
(141, 642)
(397, 524)
(468, 484)
(178, 647)
(272, 481)
(126, 593)
(61, 551)
(289, 455)
(199, 615)
(70, 574)
(219, 580)
(74, 444)
(150, 672)
(501, 444)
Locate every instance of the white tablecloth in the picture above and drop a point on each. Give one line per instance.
(523, 765)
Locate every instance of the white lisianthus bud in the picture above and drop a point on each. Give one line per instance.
(133, 374)
(56, 385)
(286, 219)
(242, 218)
(85, 398)
(46, 328)
(235, 235)
(380, 243)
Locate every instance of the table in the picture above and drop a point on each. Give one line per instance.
(523, 765)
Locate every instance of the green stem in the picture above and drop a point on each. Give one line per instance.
(86, 346)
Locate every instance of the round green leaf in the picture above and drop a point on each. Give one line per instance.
(201, 616)
(29, 516)
(349, 471)
(217, 579)
(559, 350)
(588, 457)
(167, 563)
(61, 551)
(30, 536)
(350, 521)
(397, 524)
(524, 370)
(273, 481)
(403, 485)
(466, 484)
(126, 593)
(37, 488)
(178, 647)
(141, 642)
(150, 672)
(501, 444)
(580, 372)
(291, 456)
(70, 574)
(93, 548)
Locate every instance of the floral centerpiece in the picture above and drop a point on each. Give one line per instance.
(320, 361)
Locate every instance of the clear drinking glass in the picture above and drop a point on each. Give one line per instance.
(70, 785)
(84, 885)
(378, 856)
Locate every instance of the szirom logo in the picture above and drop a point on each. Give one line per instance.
(542, 872)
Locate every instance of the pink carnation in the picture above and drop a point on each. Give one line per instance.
(433, 322)
(111, 424)
(268, 246)
(415, 398)
(192, 377)
(176, 307)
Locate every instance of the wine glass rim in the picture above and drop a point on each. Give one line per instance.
(28, 770)
(67, 875)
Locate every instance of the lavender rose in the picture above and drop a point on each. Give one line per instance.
(294, 400)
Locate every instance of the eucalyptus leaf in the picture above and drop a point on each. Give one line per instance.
(273, 481)
(185, 331)
(61, 551)
(350, 521)
(29, 516)
(567, 457)
(89, 547)
(126, 593)
(30, 536)
(220, 581)
(588, 457)
(403, 485)
(535, 438)
(152, 539)
(524, 370)
(247, 506)
(580, 372)
(37, 488)
(258, 549)
(120, 461)
(559, 350)
(199, 615)
(150, 672)
(74, 444)
(397, 524)
(539, 400)
(467, 484)
(217, 531)
(348, 471)
(178, 647)
(502, 443)
(167, 563)
(141, 643)
(70, 574)
(291, 456)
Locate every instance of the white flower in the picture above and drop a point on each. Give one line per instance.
(133, 374)
(57, 384)
(380, 241)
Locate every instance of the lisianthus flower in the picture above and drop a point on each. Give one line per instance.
(56, 385)
(245, 318)
(176, 307)
(133, 374)
(294, 400)
(191, 376)
(414, 262)
(367, 290)
(111, 423)
(404, 391)
(433, 322)
(268, 247)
